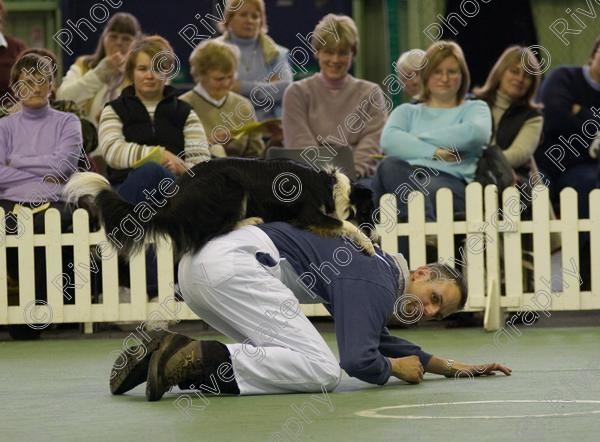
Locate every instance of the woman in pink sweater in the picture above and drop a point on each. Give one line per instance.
(332, 108)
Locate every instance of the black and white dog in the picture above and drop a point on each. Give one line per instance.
(217, 196)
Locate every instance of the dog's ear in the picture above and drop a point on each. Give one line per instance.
(361, 199)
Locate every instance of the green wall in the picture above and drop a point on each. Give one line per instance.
(34, 22)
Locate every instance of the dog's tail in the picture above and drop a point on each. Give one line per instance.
(93, 192)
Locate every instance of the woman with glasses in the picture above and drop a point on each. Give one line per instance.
(333, 108)
(94, 80)
(438, 142)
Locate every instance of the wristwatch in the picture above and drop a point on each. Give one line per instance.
(449, 365)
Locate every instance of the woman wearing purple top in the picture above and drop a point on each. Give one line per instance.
(39, 146)
(39, 150)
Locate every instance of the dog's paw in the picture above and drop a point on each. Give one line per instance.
(358, 237)
(366, 244)
(252, 221)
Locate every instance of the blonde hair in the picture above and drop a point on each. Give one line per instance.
(344, 29)
(513, 55)
(414, 60)
(232, 6)
(435, 54)
(151, 45)
(213, 55)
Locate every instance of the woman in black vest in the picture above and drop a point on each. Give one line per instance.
(148, 136)
(509, 90)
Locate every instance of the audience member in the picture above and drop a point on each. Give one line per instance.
(40, 146)
(39, 150)
(436, 143)
(88, 130)
(10, 49)
(214, 65)
(408, 69)
(263, 72)
(332, 107)
(148, 135)
(571, 96)
(568, 154)
(509, 92)
(94, 80)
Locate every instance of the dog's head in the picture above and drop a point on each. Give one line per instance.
(362, 207)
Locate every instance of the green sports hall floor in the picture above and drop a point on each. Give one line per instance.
(56, 389)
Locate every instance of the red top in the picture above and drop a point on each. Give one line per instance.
(8, 56)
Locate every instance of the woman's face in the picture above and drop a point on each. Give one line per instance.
(412, 85)
(445, 80)
(334, 62)
(37, 90)
(217, 83)
(117, 42)
(147, 84)
(246, 21)
(515, 82)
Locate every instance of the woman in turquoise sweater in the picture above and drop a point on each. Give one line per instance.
(437, 142)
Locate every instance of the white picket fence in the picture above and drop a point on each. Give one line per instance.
(491, 247)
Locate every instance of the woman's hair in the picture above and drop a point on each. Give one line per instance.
(232, 6)
(48, 64)
(213, 55)
(121, 22)
(595, 48)
(412, 60)
(32, 63)
(342, 26)
(512, 56)
(152, 46)
(435, 54)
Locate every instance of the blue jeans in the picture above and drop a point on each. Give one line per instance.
(146, 177)
(397, 176)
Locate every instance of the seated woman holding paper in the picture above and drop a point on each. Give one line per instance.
(436, 143)
(332, 108)
(148, 134)
(225, 115)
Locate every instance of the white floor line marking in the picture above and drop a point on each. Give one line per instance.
(374, 412)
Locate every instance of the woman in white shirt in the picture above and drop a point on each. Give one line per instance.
(94, 80)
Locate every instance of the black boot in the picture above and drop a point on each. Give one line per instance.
(191, 366)
(131, 367)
